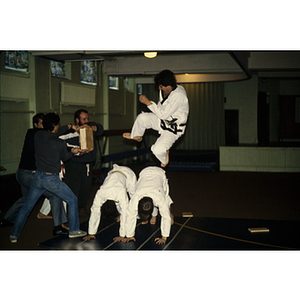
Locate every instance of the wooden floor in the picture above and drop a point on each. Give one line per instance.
(244, 195)
(190, 233)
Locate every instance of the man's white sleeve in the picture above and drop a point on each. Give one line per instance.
(96, 213)
(165, 225)
(131, 216)
(123, 204)
(131, 184)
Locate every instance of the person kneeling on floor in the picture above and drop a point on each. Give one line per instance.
(152, 194)
(112, 193)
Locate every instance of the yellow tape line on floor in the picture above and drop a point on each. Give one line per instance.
(232, 238)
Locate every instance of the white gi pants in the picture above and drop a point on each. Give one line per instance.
(147, 120)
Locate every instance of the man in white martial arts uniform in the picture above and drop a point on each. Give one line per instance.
(118, 182)
(168, 117)
(153, 188)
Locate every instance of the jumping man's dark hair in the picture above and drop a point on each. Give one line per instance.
(165, 78)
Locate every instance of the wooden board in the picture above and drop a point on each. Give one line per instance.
(86, 139)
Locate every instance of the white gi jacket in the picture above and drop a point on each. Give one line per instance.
(152, 183)
(173, 111)
(118, 182)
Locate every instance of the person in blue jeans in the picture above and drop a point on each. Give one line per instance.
(25, 176)
(49, 151)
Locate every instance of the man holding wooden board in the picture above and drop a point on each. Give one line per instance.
(79, 168)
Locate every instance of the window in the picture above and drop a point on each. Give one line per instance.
(88, 72)
(113, 82)
(139, 89)
(129, 84)
(17, 60)
(57, 69)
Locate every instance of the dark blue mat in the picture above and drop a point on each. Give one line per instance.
(191, 234)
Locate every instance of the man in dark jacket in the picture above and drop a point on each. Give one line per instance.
(49, 151)
(25, 176)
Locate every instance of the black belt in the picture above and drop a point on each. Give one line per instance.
(173, 126)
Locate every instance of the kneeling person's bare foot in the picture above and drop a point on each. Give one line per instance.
(153, 220)
(144, 222)
(127, 135)
(42, 216)
(65, 226)
(172, 219)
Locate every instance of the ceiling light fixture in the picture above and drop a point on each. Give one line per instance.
(150, 54)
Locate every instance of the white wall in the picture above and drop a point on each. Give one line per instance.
(259, 159)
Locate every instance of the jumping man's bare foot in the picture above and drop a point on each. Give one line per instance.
(127, 135)
(167, 160)
(153, 221)
(144, 222)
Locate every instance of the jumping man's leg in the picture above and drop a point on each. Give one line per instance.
(144, 120)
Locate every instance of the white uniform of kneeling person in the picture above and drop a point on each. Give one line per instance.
(152, 192)
(117, 183)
